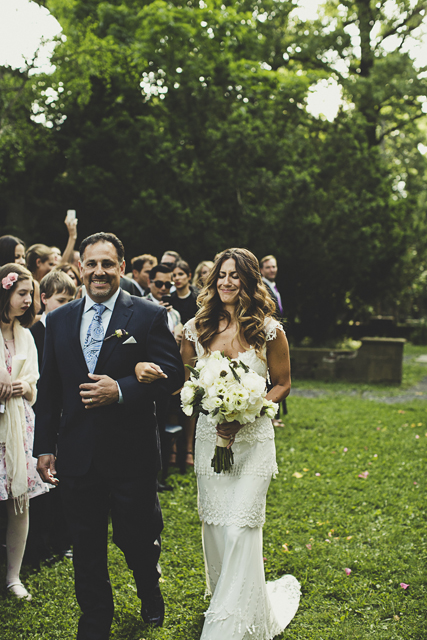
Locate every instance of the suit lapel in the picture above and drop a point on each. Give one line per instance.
(120, 317)
(74, 319)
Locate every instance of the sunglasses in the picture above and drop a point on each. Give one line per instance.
(159, 284)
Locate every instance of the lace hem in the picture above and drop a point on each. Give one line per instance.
(223, 508)
(260, 430)
(259, 470)
(271, 617)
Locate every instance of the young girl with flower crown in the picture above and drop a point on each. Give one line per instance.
(19, 480)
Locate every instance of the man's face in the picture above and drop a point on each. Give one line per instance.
(100, 270)
(168, 260)
(269, 270)
(142, 276)
(160, 279)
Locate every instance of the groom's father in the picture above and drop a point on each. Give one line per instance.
(107, 445)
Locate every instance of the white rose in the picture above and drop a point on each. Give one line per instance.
(187, 409)
(270, 408)
(211, 372)
(187, 393)
(254, 383)
(210, 404)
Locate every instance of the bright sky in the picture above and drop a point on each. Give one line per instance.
(23, 25)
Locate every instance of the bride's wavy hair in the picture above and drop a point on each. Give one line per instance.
(253, 306)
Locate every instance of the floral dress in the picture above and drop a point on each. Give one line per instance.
(35, 485)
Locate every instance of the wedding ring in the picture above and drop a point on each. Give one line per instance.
(91, 400)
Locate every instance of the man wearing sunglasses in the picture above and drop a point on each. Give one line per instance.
(160, 283)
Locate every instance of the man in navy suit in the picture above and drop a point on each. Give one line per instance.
(107, 448)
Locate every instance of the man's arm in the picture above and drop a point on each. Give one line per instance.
(163, 351)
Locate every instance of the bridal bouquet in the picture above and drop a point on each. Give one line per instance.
(225, 390)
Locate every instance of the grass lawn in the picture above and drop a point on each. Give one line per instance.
(321, 519)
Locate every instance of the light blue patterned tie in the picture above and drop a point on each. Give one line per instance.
(94, 338)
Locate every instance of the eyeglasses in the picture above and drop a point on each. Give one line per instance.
(159, 284)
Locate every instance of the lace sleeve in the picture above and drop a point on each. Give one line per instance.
(190, 331)
(271, 326)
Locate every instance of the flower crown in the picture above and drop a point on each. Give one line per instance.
(8, 281)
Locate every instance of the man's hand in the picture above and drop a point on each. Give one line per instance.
(148, 372)
(46, 469)
(166, 305)
(71, 227)
(99, 393)
(5, 385)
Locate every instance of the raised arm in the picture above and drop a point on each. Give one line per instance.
(279, 366)
(71, 225)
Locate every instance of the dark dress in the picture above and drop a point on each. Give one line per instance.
(187, 307)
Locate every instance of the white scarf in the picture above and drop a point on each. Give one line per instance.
(12, 421)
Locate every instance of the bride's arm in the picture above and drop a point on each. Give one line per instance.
(188, 354)
(279, 367)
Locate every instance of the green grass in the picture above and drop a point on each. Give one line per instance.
(374, 526)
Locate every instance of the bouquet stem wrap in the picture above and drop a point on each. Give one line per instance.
(223, 458)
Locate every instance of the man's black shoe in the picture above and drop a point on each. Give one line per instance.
(153, 608)
(161, 487)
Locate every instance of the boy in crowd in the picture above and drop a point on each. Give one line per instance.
(56, 289)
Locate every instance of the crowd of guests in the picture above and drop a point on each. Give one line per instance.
(55, 276)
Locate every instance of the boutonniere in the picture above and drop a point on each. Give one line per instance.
(119, 333)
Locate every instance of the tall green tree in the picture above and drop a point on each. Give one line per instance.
(183, 125)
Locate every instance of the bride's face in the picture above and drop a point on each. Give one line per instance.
(228, 283)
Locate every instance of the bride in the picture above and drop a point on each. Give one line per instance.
(235, 317)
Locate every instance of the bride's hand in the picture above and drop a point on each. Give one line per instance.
(148, 372)
(228, 430)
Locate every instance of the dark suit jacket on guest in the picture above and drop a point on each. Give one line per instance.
(38, 330)
(120, 439)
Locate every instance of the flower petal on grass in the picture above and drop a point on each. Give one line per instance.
(306, 469)
(317, 474)
(347, 571)
(417, 437)
(404, 585)
(345, 449)
(363, 475)
(297, 474)
(308, 546)
(285, 547)
(349, 537)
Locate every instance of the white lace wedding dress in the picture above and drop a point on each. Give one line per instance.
(232, 511)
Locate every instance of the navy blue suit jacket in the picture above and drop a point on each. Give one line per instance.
(119, 439)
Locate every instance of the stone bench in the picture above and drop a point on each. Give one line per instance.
(377, 360)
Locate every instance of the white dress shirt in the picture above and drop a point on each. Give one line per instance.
(89, 312)
(87, 317)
